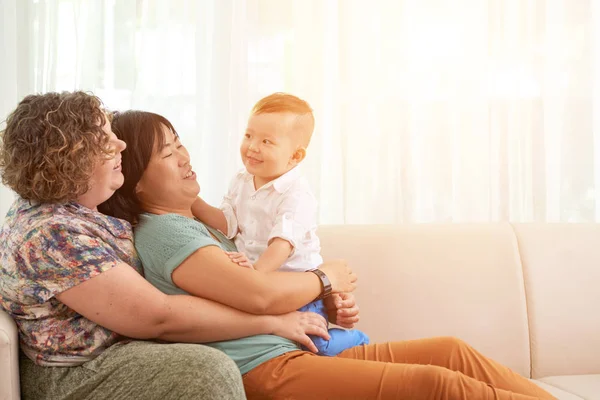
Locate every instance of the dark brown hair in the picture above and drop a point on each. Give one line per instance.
(51, 144)
(143, 133)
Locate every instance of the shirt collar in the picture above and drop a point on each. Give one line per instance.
(280, 184)
(286, 180)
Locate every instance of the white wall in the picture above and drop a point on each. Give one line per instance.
(11, 90)
(6, 198)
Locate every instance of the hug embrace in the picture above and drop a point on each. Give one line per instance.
(125, 284)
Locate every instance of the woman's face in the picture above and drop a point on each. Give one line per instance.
(168, 184)
(107, 176)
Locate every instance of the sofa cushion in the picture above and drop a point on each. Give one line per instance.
(561, 265)
(556, 392)
(9, 358)
(585, 386)
(419, 281)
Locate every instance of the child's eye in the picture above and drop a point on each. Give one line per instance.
(180, 146)
(247, 136)
(168, 155)
(267, 141)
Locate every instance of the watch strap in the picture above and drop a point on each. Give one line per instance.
(325, 283)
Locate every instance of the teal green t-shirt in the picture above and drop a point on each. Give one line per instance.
(163, 242)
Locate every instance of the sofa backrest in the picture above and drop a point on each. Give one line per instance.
(9, 358)
(561, 264)
(419, 281)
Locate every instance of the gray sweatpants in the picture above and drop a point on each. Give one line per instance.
(138, 370)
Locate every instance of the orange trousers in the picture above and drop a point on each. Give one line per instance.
(436, 368)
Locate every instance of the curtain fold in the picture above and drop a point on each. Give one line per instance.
(426, 110)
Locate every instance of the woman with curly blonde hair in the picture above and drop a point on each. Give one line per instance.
(70, 276)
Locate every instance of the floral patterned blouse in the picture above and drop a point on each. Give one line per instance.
(46, 249)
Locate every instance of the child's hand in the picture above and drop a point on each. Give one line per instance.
(240, 259)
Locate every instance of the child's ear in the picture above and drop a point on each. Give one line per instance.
(298, 155)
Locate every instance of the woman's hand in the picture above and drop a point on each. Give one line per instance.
(240, 259)
(342, 309)
(296, 326)
(340, 275)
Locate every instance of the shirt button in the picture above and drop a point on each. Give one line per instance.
(253, 197)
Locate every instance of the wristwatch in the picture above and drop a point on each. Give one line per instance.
(325, 283)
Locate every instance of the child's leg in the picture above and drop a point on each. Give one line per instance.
(341, 339)
(302, 375)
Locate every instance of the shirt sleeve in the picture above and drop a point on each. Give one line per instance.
(295, 218)
(229, 208)
(166, 241)
(59, 256)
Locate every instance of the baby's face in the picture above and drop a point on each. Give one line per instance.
(268, 146)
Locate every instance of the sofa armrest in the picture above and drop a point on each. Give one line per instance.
(9, 358)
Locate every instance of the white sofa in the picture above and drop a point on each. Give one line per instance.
(525, 295)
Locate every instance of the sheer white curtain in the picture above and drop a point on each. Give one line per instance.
(427, 110)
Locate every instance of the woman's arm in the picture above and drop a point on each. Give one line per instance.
(123, 301)
(210, 274)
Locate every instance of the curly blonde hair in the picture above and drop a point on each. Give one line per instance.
(51, 145)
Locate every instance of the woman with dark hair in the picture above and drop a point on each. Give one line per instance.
(182, 255)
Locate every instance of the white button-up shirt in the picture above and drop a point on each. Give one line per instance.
(283, 208)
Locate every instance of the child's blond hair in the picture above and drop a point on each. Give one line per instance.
(287, 103)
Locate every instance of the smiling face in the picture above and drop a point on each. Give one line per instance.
(168, 184)
(107, 176)
(271, 146)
